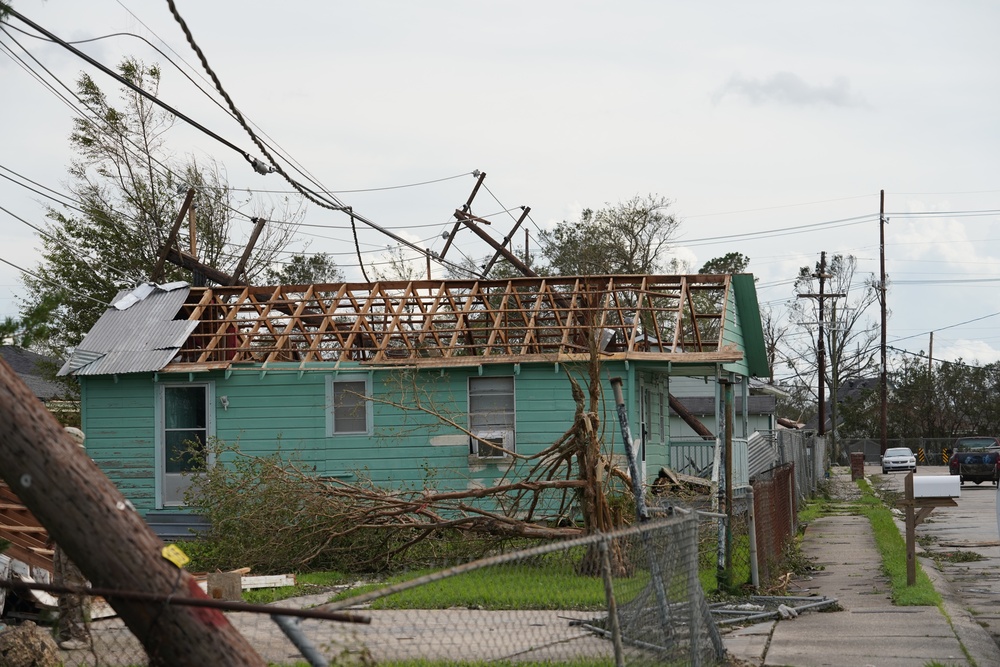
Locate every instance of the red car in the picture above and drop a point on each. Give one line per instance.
(976, 459)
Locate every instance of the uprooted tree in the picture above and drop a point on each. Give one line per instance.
(274, 512)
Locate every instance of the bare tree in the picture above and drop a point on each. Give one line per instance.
(850, 336)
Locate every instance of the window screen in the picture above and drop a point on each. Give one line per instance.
(491, 405)
(350, 408)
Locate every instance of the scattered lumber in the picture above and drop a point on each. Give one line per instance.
(671, 482)
(251, 582)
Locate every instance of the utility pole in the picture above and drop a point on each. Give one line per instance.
(821, 342)
(103, 534)
(930, 355)
(883, 382)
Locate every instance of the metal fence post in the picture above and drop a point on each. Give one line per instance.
(609, 594)
(290, 626)
(754, 572)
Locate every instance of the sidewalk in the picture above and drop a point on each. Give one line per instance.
(868, 629)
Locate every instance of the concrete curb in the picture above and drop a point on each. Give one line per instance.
(982, 650)
(974, 637)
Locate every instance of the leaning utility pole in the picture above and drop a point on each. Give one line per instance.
(883, 382)
(107, 539)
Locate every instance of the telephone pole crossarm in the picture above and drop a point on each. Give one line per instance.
(820, 339)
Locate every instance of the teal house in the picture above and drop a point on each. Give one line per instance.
(399, 382)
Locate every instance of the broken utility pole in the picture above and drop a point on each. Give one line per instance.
(157, 274)
(103, 534)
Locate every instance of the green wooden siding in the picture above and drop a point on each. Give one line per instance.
(743, 319)
(285, 410)
(117, 417)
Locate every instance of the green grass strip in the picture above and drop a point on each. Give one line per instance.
(509, 587)
(892, 547)
(306, 583)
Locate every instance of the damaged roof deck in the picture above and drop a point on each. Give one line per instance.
(420, 323)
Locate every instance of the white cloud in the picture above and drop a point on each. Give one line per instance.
(969, 351)
(790, 89)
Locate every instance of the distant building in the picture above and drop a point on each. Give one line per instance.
(30, 367)
(35, 371)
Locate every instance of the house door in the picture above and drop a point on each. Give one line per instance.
(645, 420)
(185, 425)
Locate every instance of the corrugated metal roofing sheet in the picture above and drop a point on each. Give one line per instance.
(143, 337)
(762, 451)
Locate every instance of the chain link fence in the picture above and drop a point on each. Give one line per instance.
(631, 597)
(775, 504)
(750, 554)
(49, 625)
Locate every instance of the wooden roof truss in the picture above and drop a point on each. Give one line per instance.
(459, 322)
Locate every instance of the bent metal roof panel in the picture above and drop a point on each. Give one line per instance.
(139, 332)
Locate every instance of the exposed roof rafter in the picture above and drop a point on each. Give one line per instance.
(460, 322)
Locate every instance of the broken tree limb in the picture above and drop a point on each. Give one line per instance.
(102, 533)
(503, 488)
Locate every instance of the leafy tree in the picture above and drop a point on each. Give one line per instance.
(630, 238)
(128, 189)
(950, 400)
(302, 269)
(733, 262)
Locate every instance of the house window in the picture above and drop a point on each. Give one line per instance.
(185, 425)
(491, 416)
(350, 410)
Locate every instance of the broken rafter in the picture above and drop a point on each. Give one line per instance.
(462, 322)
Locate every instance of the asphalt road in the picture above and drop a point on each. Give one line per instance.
(964, 543)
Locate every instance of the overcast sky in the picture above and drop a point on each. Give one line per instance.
(765, 123)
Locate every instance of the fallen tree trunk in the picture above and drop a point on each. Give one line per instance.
(100, 531)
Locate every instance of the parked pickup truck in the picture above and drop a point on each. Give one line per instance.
(976, 459)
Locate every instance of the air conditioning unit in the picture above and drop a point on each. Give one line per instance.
(491, 444)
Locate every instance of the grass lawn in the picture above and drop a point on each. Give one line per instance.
(534, 586)
(305, 584)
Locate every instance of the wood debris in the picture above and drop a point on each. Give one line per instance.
(671, 483)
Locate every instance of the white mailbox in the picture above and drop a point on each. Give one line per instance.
(937, 486)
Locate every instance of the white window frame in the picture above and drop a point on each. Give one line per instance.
(160, 444)
(506, 431)
(343, 378)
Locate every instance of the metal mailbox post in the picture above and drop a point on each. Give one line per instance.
(922, 495)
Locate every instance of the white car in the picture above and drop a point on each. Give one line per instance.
(898, 458)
